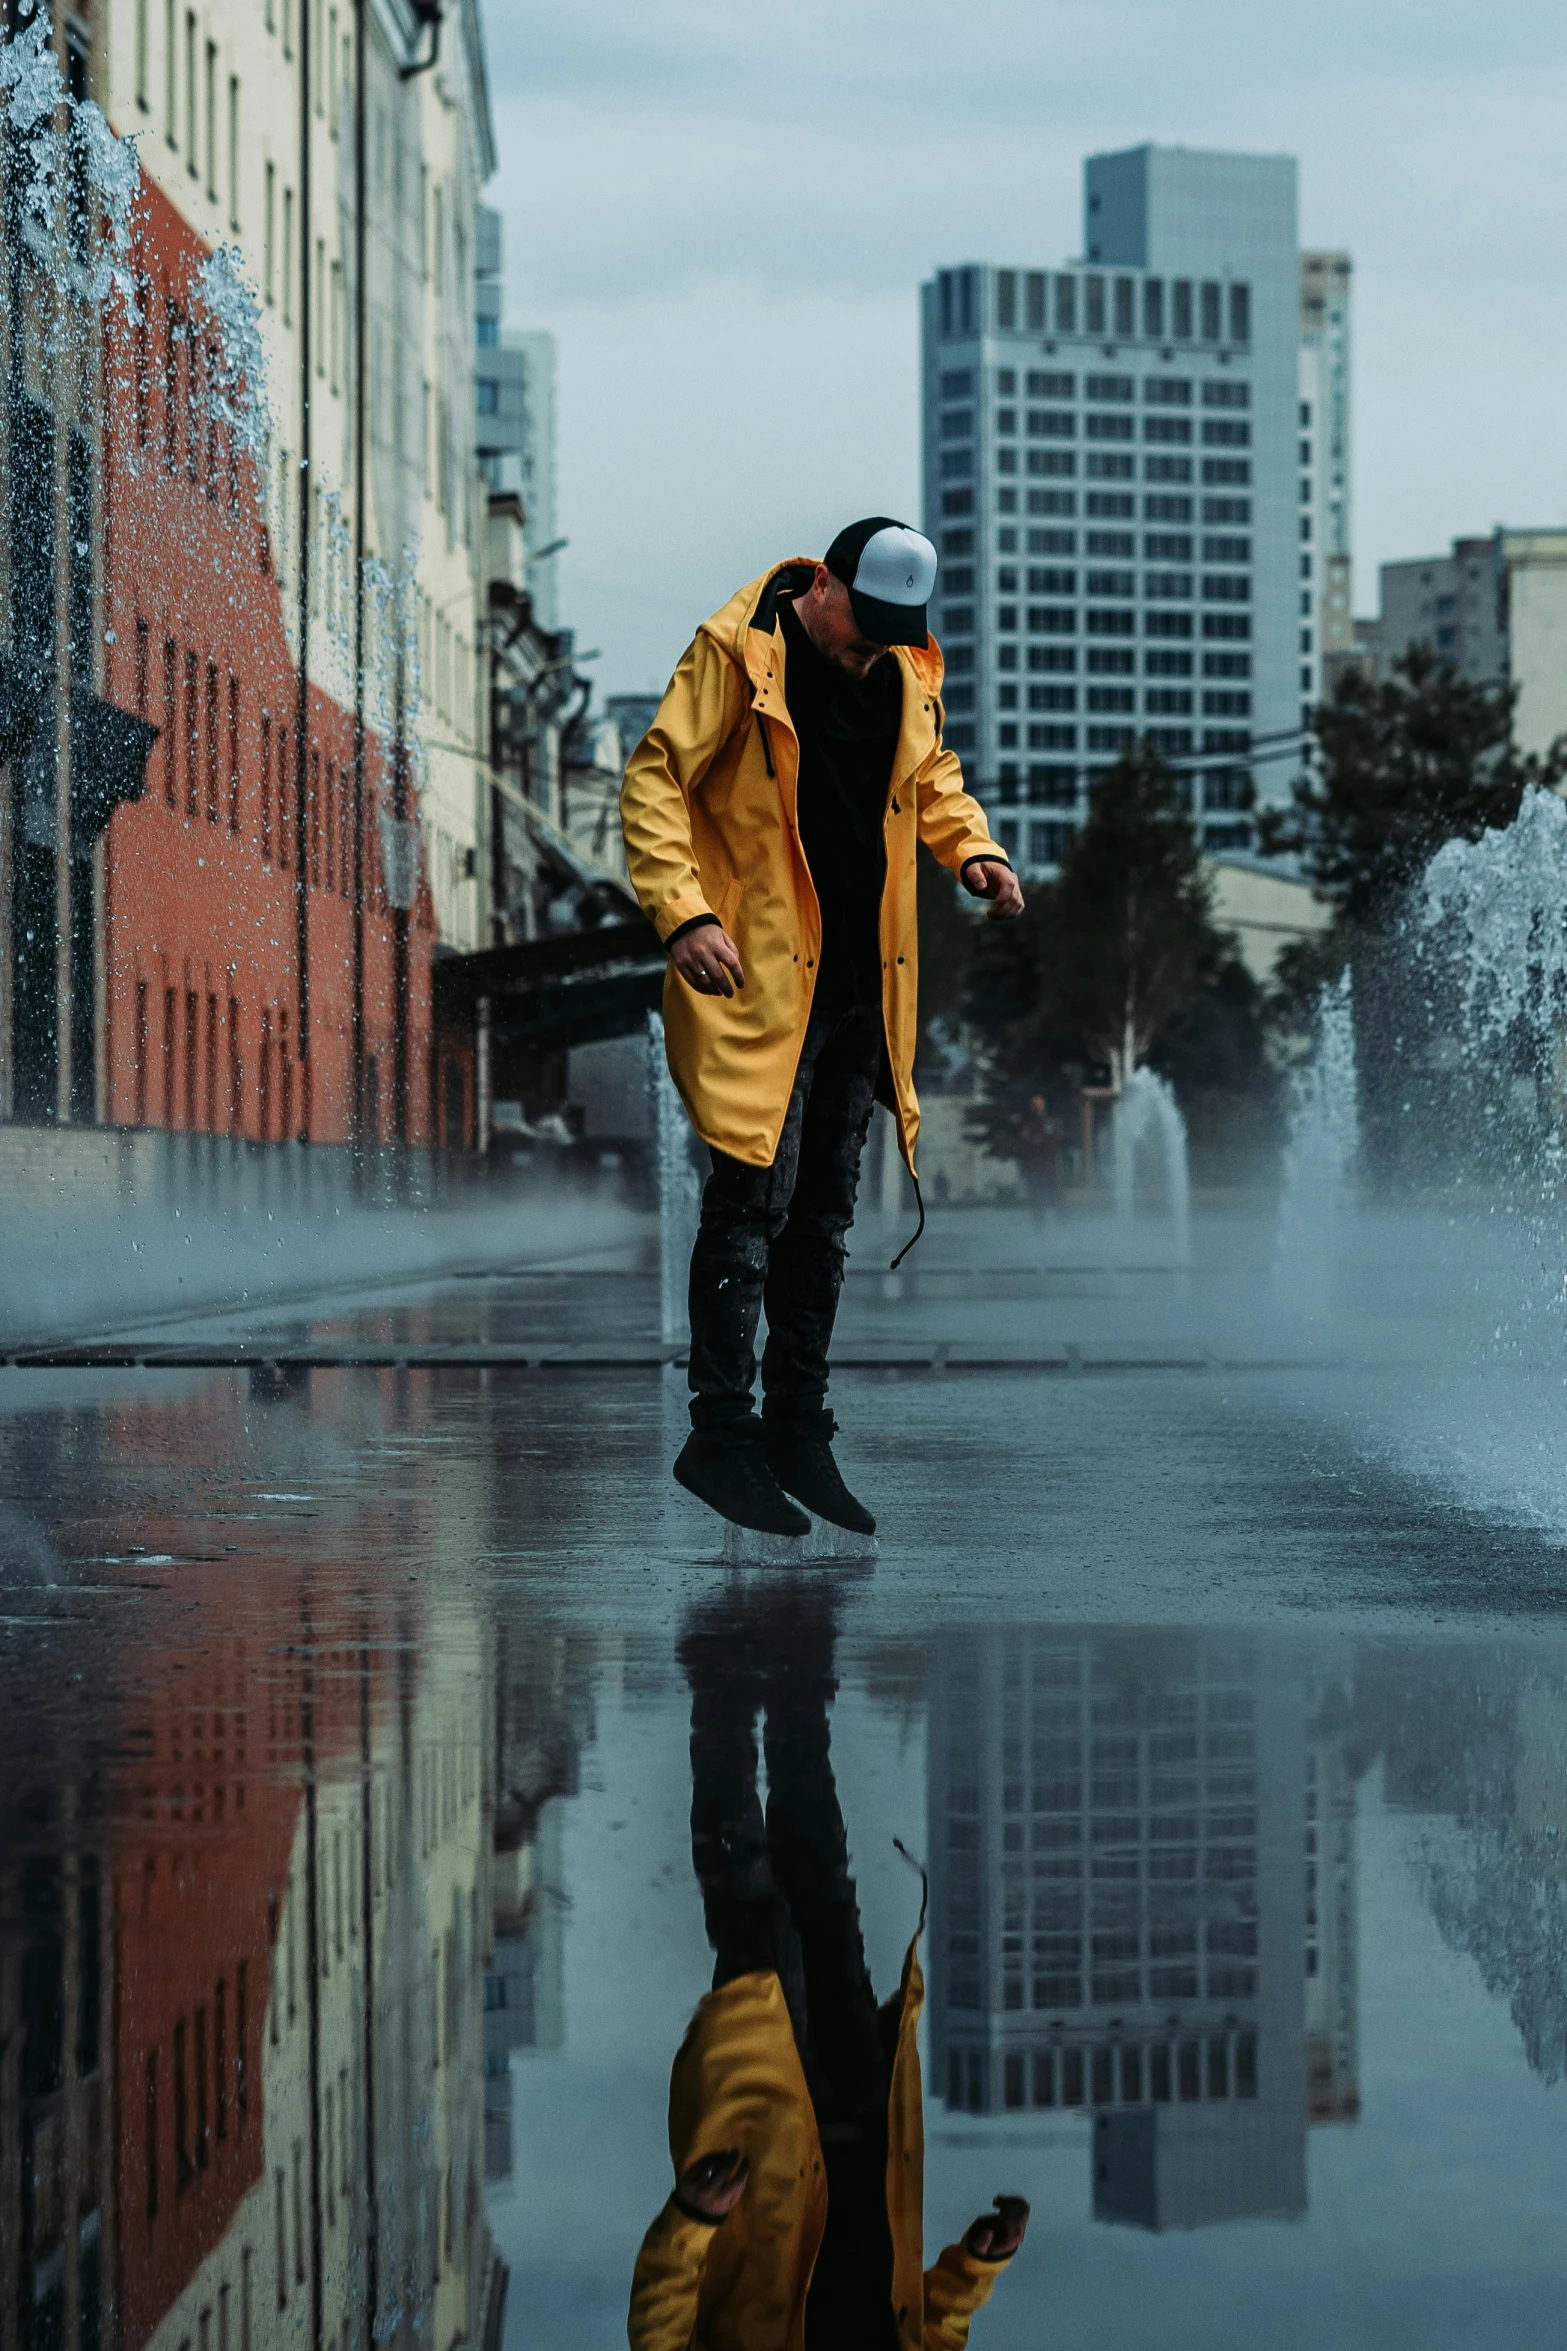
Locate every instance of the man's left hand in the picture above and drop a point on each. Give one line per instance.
(987, 877)
(996, 2235)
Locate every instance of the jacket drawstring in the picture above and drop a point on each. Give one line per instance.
(924, 1878)
(767, 749)
(919, 1201)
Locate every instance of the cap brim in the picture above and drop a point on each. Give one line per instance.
(888, 624)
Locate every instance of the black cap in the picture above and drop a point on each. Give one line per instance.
(889, 570)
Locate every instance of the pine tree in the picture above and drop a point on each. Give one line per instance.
(1117, 962)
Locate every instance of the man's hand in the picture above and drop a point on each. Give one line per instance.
(996, 2234)
(714, 2184)
(707, 959)
(987, 877)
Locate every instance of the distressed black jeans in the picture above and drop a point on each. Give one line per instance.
(774, 1236)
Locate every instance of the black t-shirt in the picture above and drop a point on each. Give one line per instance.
(848, 730)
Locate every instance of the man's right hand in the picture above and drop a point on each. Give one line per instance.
(708, 960)
(714, 2184)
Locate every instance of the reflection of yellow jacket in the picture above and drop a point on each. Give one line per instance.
(738, 2083)
(709, 810)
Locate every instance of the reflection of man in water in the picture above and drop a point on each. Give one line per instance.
(795, 2116)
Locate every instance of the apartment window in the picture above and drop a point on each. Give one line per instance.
(288, 257)
(957, 383)
(1006, 298)
(171, 119)
(1181, 310)
(1066, 306)
(1227, 392)
(1157, 508)
(1221, 432)
(1173, 547)
(1240, 314)
(192, 161)
(1167, 469)
(171, 656)
(1226, 550)
(1217, 470)
(1034, 300)
(1210, 312)
(1153, 308)
(1125, 293)
(212, 742)
(234, 153)
(1167, 428)
(211, 92)
(184, 2169)
(1110, 465)
(1094, 305)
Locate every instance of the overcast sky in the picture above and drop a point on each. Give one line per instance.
(724, 214)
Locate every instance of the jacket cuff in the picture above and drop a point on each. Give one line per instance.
(696, 923)
(675, 912)
(986, 857)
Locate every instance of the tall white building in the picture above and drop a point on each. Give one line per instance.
(1112, 478)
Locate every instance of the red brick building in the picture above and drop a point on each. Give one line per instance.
(206, 896)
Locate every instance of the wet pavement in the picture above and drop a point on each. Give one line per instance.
(356, 1707)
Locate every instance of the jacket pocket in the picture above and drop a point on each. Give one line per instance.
(729, 898)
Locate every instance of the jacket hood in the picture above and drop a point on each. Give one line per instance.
(755, 608)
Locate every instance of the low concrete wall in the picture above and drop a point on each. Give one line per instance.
(108, 1226)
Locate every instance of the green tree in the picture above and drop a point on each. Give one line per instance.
(1423, 758)
(1116, 962)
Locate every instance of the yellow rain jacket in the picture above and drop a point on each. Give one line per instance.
(709, 810)
(741, 2285)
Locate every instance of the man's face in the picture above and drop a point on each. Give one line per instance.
(836, 632)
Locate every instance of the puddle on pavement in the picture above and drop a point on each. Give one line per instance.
(351, 1921)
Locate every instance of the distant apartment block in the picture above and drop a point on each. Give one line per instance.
(514, 399)
(1496, 608)
(1115, 476)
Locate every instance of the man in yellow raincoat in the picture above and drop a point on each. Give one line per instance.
(771, 817)
(795, 2110)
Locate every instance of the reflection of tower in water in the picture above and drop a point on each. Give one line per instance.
(1118, 1909)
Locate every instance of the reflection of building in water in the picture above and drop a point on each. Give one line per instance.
(543, 1707)
(241, 1981)
(1332, 1939)
(1118, 1914)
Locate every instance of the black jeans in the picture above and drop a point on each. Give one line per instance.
(775, 1235)
(777, 1894)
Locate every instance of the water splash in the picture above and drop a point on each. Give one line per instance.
(38, 108)
(1148, 1117)
(1320, 1153)
(679, 1188)
(227, 316)
(1499, 906)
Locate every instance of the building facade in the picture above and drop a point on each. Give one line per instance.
(1112, 479)
(266, 529)
(1326, 481)
(1497, 609)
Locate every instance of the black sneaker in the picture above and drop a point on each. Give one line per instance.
(799, 1453)
(730, 1474)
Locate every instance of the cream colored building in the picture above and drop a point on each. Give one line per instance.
(244, 114)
